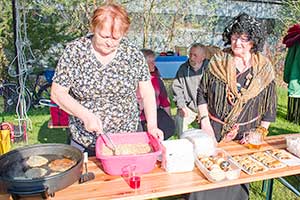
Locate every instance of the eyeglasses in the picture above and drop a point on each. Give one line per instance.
(241, 37)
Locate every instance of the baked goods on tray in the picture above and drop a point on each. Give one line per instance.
(249, 165)
(284, 156)
(218, 167)
(267, 160)
(280, 154)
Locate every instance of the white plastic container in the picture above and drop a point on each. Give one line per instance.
(293, 144)
(177, 155)
(204, 144)
(233, 173)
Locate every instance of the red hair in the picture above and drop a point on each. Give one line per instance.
(112, 11)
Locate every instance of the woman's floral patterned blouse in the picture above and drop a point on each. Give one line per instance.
(109, 91)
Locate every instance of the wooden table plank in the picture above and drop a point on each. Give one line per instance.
(159, 183)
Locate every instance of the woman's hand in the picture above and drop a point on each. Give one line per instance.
(207, 128)
(243, 141)
(92, 123)
(156, 132)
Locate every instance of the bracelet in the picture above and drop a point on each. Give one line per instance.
(203, 117)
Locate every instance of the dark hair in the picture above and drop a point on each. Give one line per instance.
(244, 23)
(147, 52)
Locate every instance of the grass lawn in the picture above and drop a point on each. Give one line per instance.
(40, 133)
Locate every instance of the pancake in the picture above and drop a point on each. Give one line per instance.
(35, 172)
(36, 161)
(61, 165)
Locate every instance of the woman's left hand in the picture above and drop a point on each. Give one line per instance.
(243, 141)
(156, 132)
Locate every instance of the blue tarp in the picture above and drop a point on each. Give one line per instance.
(168, 65)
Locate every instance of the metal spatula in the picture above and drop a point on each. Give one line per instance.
(113, 146)
(87, 176)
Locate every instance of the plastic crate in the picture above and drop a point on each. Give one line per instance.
(117, 164)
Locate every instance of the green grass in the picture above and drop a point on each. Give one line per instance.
(283, 126)
(40, 133)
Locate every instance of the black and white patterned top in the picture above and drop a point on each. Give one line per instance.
(109, 91)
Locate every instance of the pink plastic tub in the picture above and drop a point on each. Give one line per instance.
(116, 165)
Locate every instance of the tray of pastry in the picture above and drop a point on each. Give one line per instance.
(218, 167)
(268, 160)
(249, 165)
(284, 156)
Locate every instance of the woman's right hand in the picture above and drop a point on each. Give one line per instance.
(92, 123)
(207, 128)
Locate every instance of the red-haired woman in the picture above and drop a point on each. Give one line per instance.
(97, 77)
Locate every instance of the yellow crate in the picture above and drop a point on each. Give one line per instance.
(4, 141)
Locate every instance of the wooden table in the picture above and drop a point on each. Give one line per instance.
(159, 183)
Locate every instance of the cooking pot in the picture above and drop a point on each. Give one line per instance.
(43, 186)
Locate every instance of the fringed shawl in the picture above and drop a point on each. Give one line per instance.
(222, 67)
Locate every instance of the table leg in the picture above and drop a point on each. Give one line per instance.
(289, 186)
(264, 186)
(269, 189)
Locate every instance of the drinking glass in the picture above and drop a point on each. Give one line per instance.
(253, 138)
(132, 177)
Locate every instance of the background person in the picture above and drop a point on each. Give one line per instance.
(97, 77)
(291, 73)
(237, 92)
(185, 87)
(164, 119)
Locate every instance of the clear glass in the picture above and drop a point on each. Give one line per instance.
(132, 177)
(253, 138)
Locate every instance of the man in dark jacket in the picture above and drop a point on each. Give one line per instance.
(185, 86)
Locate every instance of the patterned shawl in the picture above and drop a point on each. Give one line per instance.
(222, 66)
